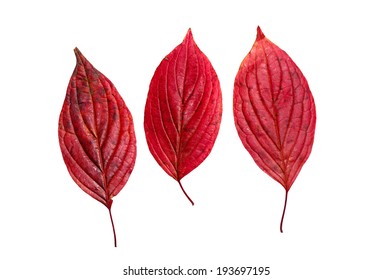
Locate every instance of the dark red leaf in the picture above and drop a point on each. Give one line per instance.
(183, 110)
(96, 134)
(274, 112)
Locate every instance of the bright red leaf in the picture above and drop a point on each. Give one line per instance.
(274, 112)
(183, 110)
(96, 134)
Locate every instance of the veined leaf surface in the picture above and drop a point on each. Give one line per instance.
(183, 110)
(274, 112)
(96, 134)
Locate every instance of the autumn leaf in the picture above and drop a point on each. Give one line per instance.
(274, 112)
(183, 110)
(96, 134)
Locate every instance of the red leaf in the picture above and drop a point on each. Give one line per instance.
(96, 134)
(183, 110)
(274, 112)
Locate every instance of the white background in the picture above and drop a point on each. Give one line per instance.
(338, 222)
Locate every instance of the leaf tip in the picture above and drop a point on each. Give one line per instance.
(260, 34)
(78, 54)
(189, 35)
(77, 51)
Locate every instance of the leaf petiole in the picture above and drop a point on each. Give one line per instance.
(190, 200)
(284, 210)
(114, 230)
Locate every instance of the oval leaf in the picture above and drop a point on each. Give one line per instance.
(96, 134)
(274, 112)
(183, 110)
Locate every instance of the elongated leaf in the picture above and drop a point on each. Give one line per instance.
(183, 110)
(274, 112)
(96, 134)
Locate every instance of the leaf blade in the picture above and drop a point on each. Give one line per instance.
(183, 110)
(274, 111)
(96, 133)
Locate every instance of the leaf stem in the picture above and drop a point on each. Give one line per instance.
(185, 193)
(114, 230)
(284, 210)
